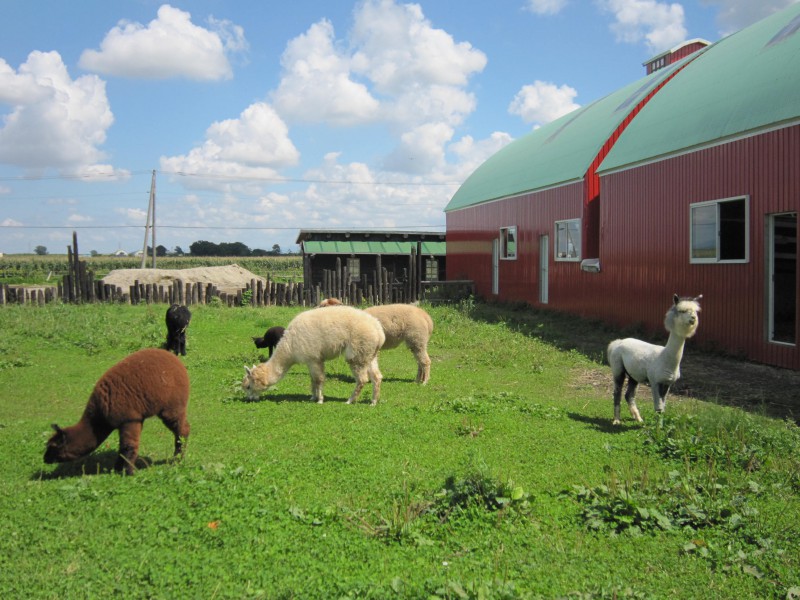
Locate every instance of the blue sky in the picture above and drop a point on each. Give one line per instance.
(264, 118)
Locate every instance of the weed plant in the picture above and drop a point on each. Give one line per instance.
(498, 479)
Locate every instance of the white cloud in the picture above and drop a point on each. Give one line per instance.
(316, 84)
(542, 102)
(255, 145)
(471, 153)
(737, 14)
(169, 46)
(11, 223)
(55, 121)
(545, 7)
(658, 24)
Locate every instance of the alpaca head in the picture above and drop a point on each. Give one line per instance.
(257, 379)
(682, 318)
(59, 448)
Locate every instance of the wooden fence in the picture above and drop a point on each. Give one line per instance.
(380, 287)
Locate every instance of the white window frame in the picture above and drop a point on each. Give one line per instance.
(716, 224)
(355, 274)
(507, 251)
(431, 268)
(560, 228)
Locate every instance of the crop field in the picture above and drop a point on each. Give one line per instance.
(502, 478)
(39, 270)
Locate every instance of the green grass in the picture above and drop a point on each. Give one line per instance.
(501, 478)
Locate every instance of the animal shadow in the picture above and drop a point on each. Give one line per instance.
(99, 463)
(603, 424)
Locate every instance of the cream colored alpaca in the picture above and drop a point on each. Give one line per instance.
(403, 323)
(315, 336)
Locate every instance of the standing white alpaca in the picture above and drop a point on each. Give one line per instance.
(659, 366)
(315, 336)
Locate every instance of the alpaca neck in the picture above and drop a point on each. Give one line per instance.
(86, 435)
(673, 351)
(272, 371)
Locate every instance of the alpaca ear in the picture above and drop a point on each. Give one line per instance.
(698, 298)
(247, 370)
(675, 298)
(56, 428)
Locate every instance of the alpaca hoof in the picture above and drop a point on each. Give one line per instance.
(615, 422)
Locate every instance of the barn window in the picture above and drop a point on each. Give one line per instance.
(719, 231)
(354, 268)
(568, 240)
(508, 243)
(431, 269)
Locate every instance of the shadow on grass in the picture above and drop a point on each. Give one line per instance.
(603, 424)
(706, 373)
(99, 463)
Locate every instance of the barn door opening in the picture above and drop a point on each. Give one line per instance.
(783, 278)
(544, 265)
(495, 266)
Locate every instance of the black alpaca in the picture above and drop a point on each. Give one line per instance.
(178, 318)
(271, 338)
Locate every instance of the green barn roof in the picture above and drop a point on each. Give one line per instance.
(746, 82)
(348, 247)
(556, 153)
(743, 83)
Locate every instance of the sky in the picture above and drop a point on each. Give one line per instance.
(252, 120)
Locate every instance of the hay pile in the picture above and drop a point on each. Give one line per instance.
(229, 278)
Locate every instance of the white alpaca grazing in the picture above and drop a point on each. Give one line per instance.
(659, 366)
(402, 323)
(315, 336)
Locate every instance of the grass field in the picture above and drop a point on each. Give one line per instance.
(501, 478)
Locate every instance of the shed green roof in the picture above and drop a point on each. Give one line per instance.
(556, 153)
(743, 83)
(347, 247)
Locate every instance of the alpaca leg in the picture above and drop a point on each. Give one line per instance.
(660, 391)
(179, 426)
(129, 434)
(619, 380)
(361, 377)
(423, 364)
(317, 372)
(375, 377)
(630, 398)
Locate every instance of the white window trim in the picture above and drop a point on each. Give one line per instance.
(503, 255)
(558, 258)
(716, 260)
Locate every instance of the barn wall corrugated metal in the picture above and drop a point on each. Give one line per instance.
(469, 242)
(644, 244)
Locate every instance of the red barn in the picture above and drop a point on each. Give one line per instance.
(685, 181)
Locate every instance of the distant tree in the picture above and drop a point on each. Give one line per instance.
(259, 252)
(203, 248)
(276, 249)
(233, 249)
(94, 253)
(40, 250)
(161, 250)
(178, 251)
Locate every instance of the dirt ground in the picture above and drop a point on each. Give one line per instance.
(228, 278)
(732, 382)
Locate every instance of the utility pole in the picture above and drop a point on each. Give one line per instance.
(150, 225)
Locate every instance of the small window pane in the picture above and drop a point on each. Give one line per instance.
(508, 242)
(568, 240)
(704, 231)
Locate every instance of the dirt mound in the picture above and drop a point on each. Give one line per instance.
(229, 278)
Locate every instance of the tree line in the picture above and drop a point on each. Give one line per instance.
(200, 248)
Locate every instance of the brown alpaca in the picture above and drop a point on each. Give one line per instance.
(147, 383)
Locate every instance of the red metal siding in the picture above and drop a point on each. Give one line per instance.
(645, 240)
(470, 232)
(644, 243)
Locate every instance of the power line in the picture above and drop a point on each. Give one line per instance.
(212, 227)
